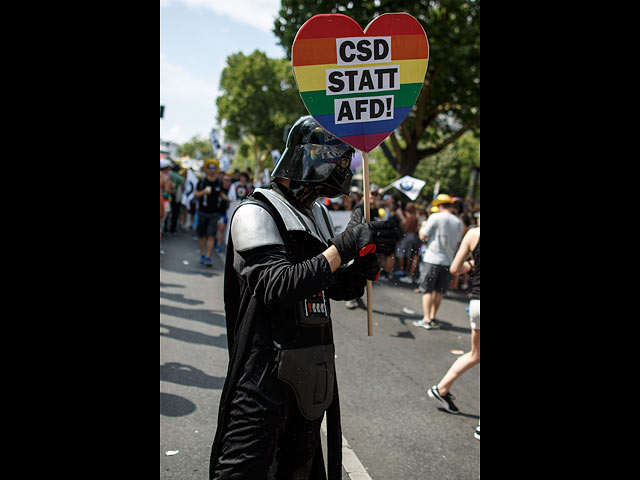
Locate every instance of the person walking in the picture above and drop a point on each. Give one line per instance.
(408, 246)
(176, 198)
(441, 392)
(207, 193)
(442, 233)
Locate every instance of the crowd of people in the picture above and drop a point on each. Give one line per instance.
(218, 193)
(438, 251)
(215, 195)
(406, 264)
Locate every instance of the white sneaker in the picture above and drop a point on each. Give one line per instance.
(445, 400)
(425, 324)
(406, 280)
(351, 304)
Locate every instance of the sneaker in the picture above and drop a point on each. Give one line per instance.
(202, 259)
(477, 432)
(384, 275)
(426, 324)
(351, 304)
(219, 249)
(207, 262)
(398, 273)
(406, 280)
(445, 400)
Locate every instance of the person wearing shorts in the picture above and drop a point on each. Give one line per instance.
(436, 278)
(470, 247)
(442, 233)
(207, 193)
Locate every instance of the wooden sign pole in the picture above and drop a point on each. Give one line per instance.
(367, 218)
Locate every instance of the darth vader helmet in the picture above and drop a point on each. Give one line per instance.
(316, 162)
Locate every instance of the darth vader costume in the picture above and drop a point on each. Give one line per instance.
(281, 375)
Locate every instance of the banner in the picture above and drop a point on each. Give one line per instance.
(215, 143)
(189, 188)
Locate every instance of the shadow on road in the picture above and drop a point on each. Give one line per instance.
(175, 406)
(189, 376)
(208, 317)
(179, 298)
(406, 321)
(190, 336)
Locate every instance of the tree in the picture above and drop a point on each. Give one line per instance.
(451, 167)
(259, 98)
(196, 144)
(449, 102)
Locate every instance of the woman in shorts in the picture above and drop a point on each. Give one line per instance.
(467, 259)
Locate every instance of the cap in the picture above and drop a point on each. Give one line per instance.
(164, 163)
(211, 161)
(442, 198)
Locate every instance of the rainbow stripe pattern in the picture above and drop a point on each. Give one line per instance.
(360, 85)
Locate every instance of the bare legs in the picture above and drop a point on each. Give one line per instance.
(430, 304)
(462, 364)
(209, 244)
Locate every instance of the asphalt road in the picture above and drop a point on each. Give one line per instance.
(394, 429)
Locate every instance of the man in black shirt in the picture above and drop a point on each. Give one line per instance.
(207, 193)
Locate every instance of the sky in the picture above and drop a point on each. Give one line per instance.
(196, 37)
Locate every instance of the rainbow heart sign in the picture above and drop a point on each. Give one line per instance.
(360, 85)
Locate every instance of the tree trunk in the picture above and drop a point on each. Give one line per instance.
(256, 157)
(408, 162)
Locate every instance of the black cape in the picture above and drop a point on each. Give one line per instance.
(263, 288)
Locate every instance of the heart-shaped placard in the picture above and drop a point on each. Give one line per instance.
(359, 85)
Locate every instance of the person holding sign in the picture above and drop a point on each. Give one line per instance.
(284, 263)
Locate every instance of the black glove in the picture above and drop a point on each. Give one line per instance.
(364, 238)
(351, 280)
(357, 216)
(367, 267)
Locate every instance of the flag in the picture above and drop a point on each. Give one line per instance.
(408, 185)
(189, 188)
(225, 163)
(215, 143)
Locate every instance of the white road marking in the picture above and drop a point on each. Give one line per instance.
(350, 461)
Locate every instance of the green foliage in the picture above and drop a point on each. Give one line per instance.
(195, 144)
(243, 158)
(451, 167)
(380, 170)
(259, 98)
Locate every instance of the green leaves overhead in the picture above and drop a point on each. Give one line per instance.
(258, 98)
(449, 102)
